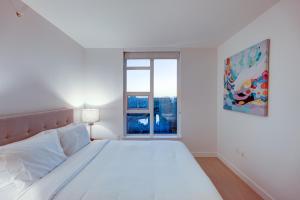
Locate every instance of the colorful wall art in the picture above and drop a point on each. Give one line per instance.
(246, 80)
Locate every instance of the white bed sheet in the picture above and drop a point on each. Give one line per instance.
(8, 192)
(126, 170)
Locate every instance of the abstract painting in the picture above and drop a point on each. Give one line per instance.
(246, 80)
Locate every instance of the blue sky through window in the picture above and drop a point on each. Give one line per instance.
(165, 78)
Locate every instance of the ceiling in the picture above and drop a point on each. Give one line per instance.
(150, 23)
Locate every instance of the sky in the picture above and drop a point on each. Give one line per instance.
(165, 77)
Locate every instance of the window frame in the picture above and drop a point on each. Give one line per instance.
(151, 56)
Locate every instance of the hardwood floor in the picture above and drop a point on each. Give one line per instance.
(229, 185)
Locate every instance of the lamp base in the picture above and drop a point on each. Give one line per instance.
(91, 124)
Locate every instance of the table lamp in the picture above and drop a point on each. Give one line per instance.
(90, 116)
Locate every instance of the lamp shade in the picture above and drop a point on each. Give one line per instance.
(90, 115)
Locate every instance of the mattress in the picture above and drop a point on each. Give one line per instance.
(126, 170)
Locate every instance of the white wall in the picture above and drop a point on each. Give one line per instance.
(40, 67)
(104, 88)
(271, 145)
(198, 100)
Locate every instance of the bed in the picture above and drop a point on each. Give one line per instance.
(112, 170)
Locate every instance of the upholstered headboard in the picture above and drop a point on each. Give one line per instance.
(13, 129)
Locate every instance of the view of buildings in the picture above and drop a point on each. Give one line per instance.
(165, 115)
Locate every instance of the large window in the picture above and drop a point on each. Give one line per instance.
(150, 97)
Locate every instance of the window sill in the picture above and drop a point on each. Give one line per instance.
(177, 136)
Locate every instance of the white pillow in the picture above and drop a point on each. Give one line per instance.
(29, 160)
(73, 138)
(42, 133)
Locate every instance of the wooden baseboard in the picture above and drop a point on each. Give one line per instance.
(259, 190)
(204, 154)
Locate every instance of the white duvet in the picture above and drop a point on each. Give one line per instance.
(126, 170)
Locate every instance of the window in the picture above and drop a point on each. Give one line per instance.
(151, 94)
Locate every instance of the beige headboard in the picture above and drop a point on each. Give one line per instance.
(13, 129)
